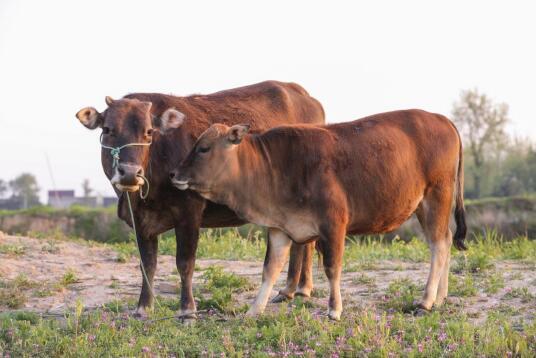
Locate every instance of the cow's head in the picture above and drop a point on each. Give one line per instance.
(127, 122)
(212, 161)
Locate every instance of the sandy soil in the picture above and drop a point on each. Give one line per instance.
(101, 279)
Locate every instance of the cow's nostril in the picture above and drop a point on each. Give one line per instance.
(140, 172)
(121, 171)
(171, 175)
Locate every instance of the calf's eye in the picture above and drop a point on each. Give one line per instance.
(150, 132)
(203, 149)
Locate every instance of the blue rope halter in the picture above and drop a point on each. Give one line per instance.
(115, 151)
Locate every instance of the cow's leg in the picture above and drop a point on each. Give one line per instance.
(276, 256)
(148, 247)
(294, 271)
(305, 286)
(434, 214)
(332, 247)
(187, 236)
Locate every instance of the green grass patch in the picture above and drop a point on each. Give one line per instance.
(218, 289)
(294, 331)
(69, 277)
(462, 285)
(12, 250)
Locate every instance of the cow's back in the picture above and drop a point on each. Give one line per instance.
(387, 162)
(263, 105)
(383, 164)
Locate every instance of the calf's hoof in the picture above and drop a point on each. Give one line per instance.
(422, 309)
(306, 294)
(254, 312)
(334, 315)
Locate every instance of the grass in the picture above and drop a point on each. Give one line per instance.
(218, 290)
(13, 293)
(521, 293)
(12, 250)
(387, 328)
(69, 278)
(290, 332)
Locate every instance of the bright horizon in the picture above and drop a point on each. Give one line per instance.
(356, 59)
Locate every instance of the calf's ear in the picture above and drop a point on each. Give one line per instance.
(237, 132)
(89, 117)
(169, 120)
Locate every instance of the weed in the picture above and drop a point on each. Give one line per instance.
(363, 279)
(475, 261)
(12, 250)
(12, 297)
(493, 283)
(221, 286)
(114, 284)
(519, 292)
(401, 296)
(69, 278)
(462, 286)
(50, 247)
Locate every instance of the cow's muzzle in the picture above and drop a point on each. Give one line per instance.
(128, 177)
(178, 182)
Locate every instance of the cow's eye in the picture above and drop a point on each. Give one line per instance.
(150, 132)
(203, 149)
(105, 130)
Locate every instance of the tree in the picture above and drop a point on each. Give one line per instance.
(86, 188)
(3, 188)
(25, 186)
(481, 124)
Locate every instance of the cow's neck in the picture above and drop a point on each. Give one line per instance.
(251, 193)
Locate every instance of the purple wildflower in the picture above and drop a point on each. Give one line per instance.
(420, 347)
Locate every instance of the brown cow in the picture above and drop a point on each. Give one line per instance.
(135, 119)
(321, 182)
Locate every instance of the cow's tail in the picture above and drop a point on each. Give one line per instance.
(459, 210)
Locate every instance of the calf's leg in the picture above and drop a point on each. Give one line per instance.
(442, 290)
(434, 214)
(332, 247)
(276, 256)
(148, 247)
(300, 273)
(295, 268)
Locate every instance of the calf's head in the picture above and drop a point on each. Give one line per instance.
(212, 161)
(128, 129)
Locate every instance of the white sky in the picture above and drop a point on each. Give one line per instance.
(357, 59)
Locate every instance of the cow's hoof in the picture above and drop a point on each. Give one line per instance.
(334, 315)
(187, 315)
(281, 297)
(141, 313)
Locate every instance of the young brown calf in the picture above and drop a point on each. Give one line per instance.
(307, 182)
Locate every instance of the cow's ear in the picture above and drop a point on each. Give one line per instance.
(237, 132)
(89, 117)
(169, 120)
(109, 100)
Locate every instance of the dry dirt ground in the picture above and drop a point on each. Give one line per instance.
(101, 279)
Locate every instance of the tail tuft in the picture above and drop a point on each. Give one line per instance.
(461, 229)
(459, 211)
